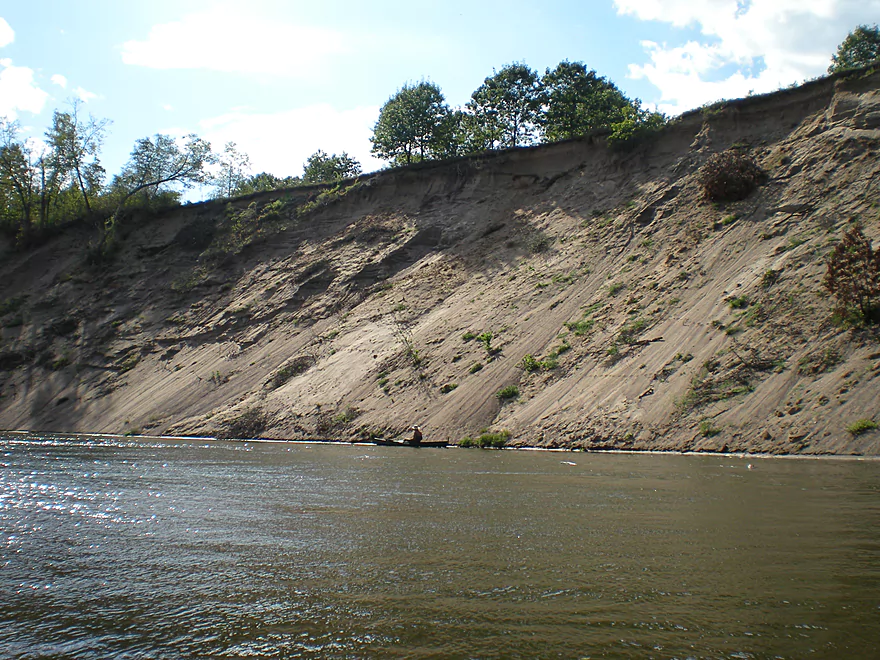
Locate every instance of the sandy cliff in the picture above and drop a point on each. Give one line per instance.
(656, 320)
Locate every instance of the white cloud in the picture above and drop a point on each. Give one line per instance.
(281, 142)
(748, 45)
(59, 80)
(229, 40)
(84, 95)
(7, 35)
(18, 91)
(167, 107)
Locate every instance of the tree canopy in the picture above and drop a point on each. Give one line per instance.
(322, 167)
(412, 125)
(263, 182)
(579, 101)
(234, 166)
(74, 145)
(507, 108)
(860, 48)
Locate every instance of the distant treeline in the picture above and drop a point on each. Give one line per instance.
(48, 183)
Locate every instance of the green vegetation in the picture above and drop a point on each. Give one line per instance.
(487, 440)
(322, 168)
(60, 362)
(862, 426)
(616, 288)
(564, 347)
(507, 392)
(630, 331)
(11, 305)
(579, 101)
(129, 362)
(415, 124)
(636, 126)
(819, 362)
(448, 387)
(853, 277)
(860, 48)
(233, 165)
(513, 107)
(249, 423)
(769, 278)
(581, 327)
(505, 110)
(297, 366)
(740, 302)
(485, 339)
(347, 416)
(708, 385)
(707, 429)
(467, 336)
(531, 364)
(475, 367)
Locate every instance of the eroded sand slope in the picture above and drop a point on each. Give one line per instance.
(674, 323)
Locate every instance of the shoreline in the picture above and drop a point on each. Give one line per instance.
(844, 457)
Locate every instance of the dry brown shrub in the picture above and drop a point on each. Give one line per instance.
(730, 176)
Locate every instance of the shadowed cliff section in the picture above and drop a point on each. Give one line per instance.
(654, 319)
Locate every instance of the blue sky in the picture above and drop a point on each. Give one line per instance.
(283, 79)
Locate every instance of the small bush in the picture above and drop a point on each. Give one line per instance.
(539, 243)
(448, 387)
(467, 336)
(60, 363)
(581, 327)
(347, 416)
(730, 176)
(739, 303)
(11, 305)
(249, 424)
(708, 430)
(530, 363)
(630, 331)
(495, 440)
(295, 367)
(769, 278)
(475, 367)
(853, 278)
(509, 392)
(486, 440)
(862, 426)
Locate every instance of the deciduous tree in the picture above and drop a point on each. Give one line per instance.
(322, 167)
(507, 108)
(579, 101)
(74, 145)
(411, 125)
(265, 181)
(234, 166)
(17, 180)
(860, 48)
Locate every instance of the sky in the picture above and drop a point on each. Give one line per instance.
(283, 79)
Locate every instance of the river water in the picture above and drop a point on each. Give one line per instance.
(181, 548)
